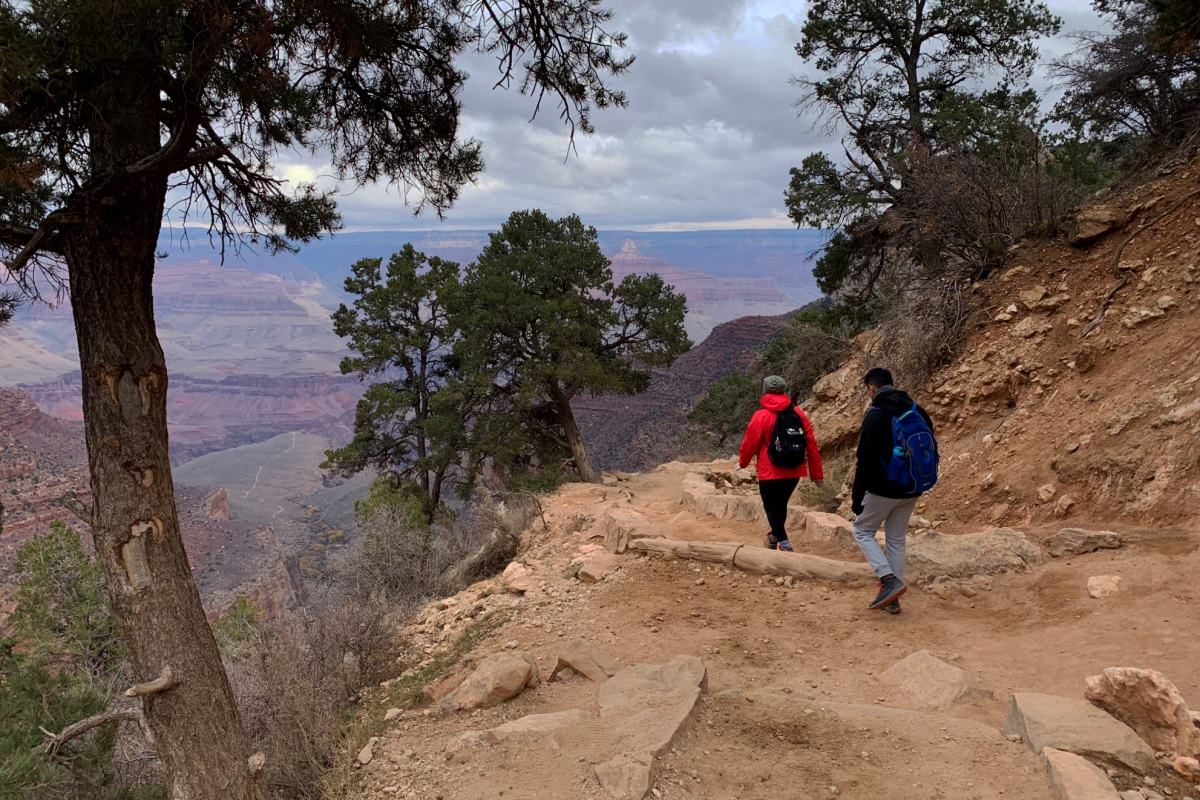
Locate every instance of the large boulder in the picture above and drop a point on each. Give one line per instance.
(498, 678)
(1150, 704)
(1075, 541)
(1095, 222)
(932, 554)
(648, 707)
(1075, 778)
(925, 681)
(1076, 726)
(588, 660)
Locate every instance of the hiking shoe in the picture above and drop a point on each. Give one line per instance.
(775, 544)
(892, 607)
(786, 546)
(890, 588)
(771, 543)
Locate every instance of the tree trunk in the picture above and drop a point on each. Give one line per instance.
(566, 418)
(195, 724)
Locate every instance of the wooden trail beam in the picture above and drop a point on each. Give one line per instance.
(758, 560)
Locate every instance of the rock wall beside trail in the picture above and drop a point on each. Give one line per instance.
(1038, 421)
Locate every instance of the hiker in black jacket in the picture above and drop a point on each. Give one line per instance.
(876, 500)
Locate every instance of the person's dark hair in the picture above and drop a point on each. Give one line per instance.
(877, 377)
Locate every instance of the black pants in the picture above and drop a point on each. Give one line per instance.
(775, 495)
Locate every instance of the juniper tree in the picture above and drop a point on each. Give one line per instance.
(540, 306)
(113, 113)
(898, 79)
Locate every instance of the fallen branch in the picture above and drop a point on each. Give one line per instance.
(1124, 273)
(55, 741)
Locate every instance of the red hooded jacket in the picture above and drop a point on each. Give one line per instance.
(758, 433)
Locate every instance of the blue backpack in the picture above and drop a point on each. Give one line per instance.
(914, 461)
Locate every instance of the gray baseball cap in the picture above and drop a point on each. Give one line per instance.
(773, 384)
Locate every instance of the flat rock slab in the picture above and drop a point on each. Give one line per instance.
(499, 677)
(933, 554)
(1075, 778)
(595, 567)
(648, 706)
(1076, 541)
(925, 681)
(541, 728)
(1101, 586)
(588, 660)
(1064, 723)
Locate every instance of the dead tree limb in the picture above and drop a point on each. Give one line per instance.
(55, 741)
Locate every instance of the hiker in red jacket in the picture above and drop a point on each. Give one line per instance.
(785, 455)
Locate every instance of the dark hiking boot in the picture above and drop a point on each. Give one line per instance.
(890, 588)
(776, 544)
(892, 607)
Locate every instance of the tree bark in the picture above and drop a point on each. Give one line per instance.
(566, 418)
(110, 256)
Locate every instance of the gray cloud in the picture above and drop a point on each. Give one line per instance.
(708, 137)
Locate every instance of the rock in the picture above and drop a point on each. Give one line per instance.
(368, 752)
(1103, 585)
(541, 728)
(1076, 541)
(820, 526)
(1137, 315)
(1064, 505)
(1030, 327)
(391, 714)
(1031, 297)
(1096, 221)
(1187, 766)
(648, 707)
(1165, 303)
(627, 776)
(1075, 778)
(588, 660)
(925, 681)
(932, 554)
(608, 480)
(622, 525)
(1046, 492)
(516, 577)
(498, 678)
(1150, 704)
(216, 506)
(598, 566)
(1078, 727)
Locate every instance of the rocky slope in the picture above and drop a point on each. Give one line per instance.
(1045, 415)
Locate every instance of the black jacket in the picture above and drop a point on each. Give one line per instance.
(875, 447)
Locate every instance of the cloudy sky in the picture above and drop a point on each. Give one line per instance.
(706, 141)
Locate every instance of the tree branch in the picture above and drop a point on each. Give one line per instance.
(162, 683)
(55, 741)
(77, 507)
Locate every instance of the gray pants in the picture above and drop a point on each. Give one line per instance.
(893, 516)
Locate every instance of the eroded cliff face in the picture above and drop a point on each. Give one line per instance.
(1040, 419)
(637, 432)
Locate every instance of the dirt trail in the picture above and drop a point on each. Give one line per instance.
(794, 707)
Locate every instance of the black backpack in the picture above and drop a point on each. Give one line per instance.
(788, 444)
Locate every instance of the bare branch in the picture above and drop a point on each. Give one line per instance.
(77, 507)
(162, 683)
(55, 741)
